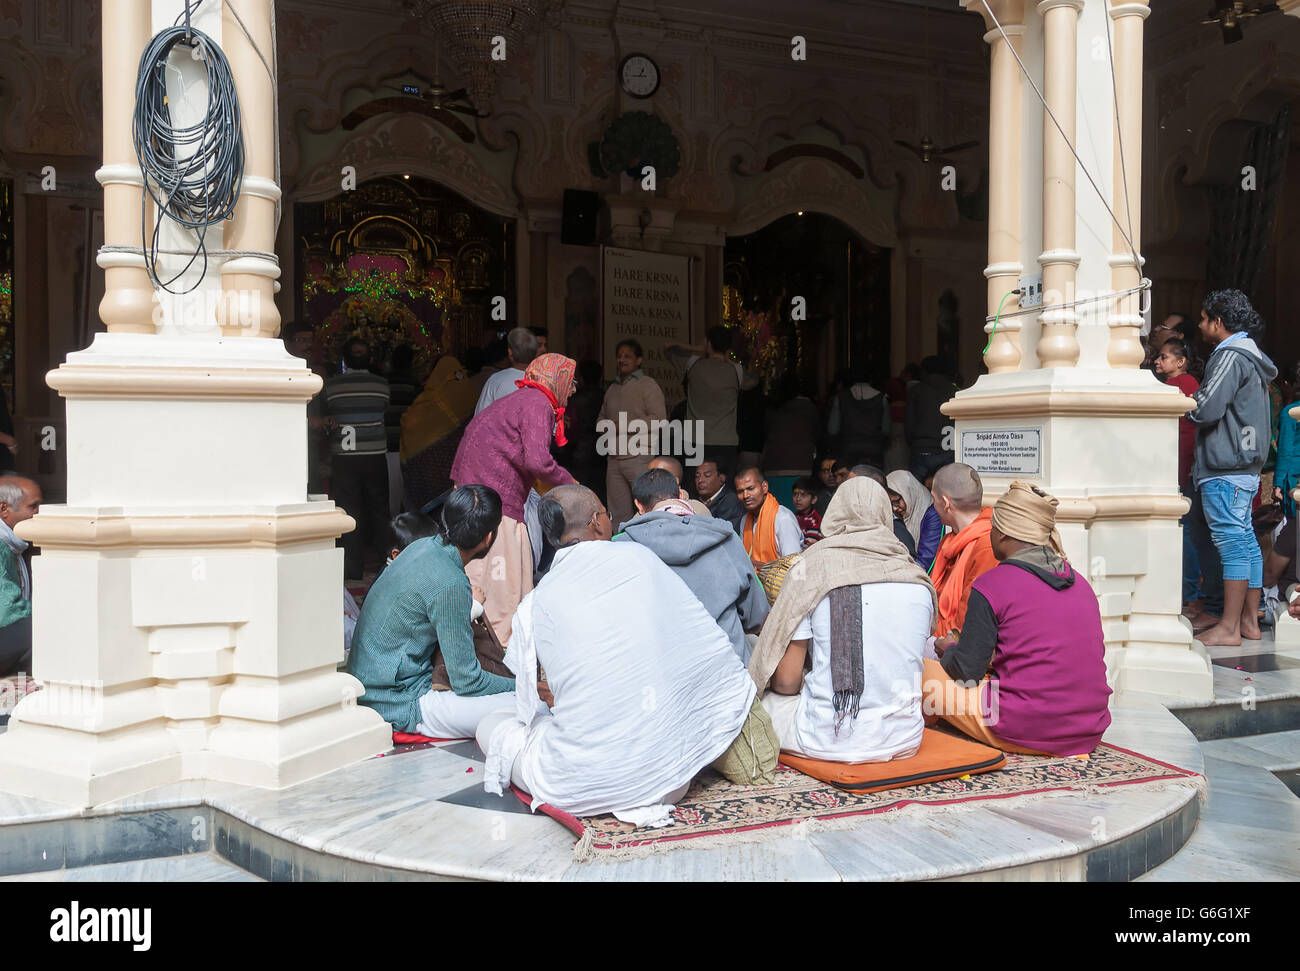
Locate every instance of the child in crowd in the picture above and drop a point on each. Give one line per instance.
(406, 528)
(804, 497)
(1173, 365)
(1286, 474)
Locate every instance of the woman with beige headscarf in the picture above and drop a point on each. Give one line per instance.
(1034, 627)
(840, 653)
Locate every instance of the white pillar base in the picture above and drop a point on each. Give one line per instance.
(1183, 674)
(1108, 452)
(188, 601)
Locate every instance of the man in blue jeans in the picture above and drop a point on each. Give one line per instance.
(1233, 430)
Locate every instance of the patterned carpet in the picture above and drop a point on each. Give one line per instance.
(716, 810)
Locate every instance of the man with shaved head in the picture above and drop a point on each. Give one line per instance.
(965, 552)
(645, 688)
(670, 464)
(20, 498)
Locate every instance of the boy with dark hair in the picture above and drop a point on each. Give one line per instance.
(804, 498)
(421, 606)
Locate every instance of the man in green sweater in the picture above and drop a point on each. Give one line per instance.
(20, 498)
(420, 605)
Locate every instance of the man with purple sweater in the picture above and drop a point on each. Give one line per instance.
(1027, 673)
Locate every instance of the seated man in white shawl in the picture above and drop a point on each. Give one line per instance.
(643, 687)
(840, 653)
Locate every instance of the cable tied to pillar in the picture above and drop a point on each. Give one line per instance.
(191, 172)
(1145, 285)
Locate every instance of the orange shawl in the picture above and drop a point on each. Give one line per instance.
(760, 534)
(961, 558)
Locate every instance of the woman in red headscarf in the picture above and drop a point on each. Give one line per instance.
(507, 446)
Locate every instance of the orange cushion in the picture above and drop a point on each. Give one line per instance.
(941, 756)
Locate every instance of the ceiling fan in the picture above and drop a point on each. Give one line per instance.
(929, 151)
(437, 95)
(1230, 15)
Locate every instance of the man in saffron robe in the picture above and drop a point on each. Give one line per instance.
(769, 531)
(965, 552)
(1034, 626)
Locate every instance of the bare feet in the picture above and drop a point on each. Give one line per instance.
(1203, 621)
(1221, 636)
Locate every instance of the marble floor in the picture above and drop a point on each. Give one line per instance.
(1250, 827)
(424, 814)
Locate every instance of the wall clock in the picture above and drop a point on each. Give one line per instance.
(639, 75)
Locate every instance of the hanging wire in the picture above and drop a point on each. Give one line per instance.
(1046, 107)
(1145, 285)
(192, 172)
(1119, 140)
(996, 318)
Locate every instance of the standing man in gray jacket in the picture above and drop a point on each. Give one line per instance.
(704, 552)
(1233, 422)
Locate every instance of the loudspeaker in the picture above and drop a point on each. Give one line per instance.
(578, 227)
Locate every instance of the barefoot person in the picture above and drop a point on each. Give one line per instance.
(1034, 627)
(1232, 418)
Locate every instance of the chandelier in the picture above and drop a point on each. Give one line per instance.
(468, 27)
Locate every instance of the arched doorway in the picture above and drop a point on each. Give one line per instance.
(403, 260)
(844, 282)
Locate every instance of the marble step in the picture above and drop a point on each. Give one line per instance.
(1250, 826)
(192, 868)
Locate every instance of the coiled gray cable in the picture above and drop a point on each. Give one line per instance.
(192, 173)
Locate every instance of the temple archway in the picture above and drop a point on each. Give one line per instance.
(843, 280)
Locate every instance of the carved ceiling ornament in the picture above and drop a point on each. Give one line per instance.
(814, 185)
(858, 135)
(298, 32)
(408, 144)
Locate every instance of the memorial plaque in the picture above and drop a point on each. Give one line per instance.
(1003, 451)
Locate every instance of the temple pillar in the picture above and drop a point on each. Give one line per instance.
(128, 303)
(187, 608)
(1004, 267)
(1071, 411)
(248, 278)
(1125, 346)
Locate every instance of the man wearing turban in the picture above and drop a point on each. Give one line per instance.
(1028, 672)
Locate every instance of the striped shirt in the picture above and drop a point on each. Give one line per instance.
(356, 401)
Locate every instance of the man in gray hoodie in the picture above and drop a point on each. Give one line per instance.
(705, 552)
(1233, 423)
